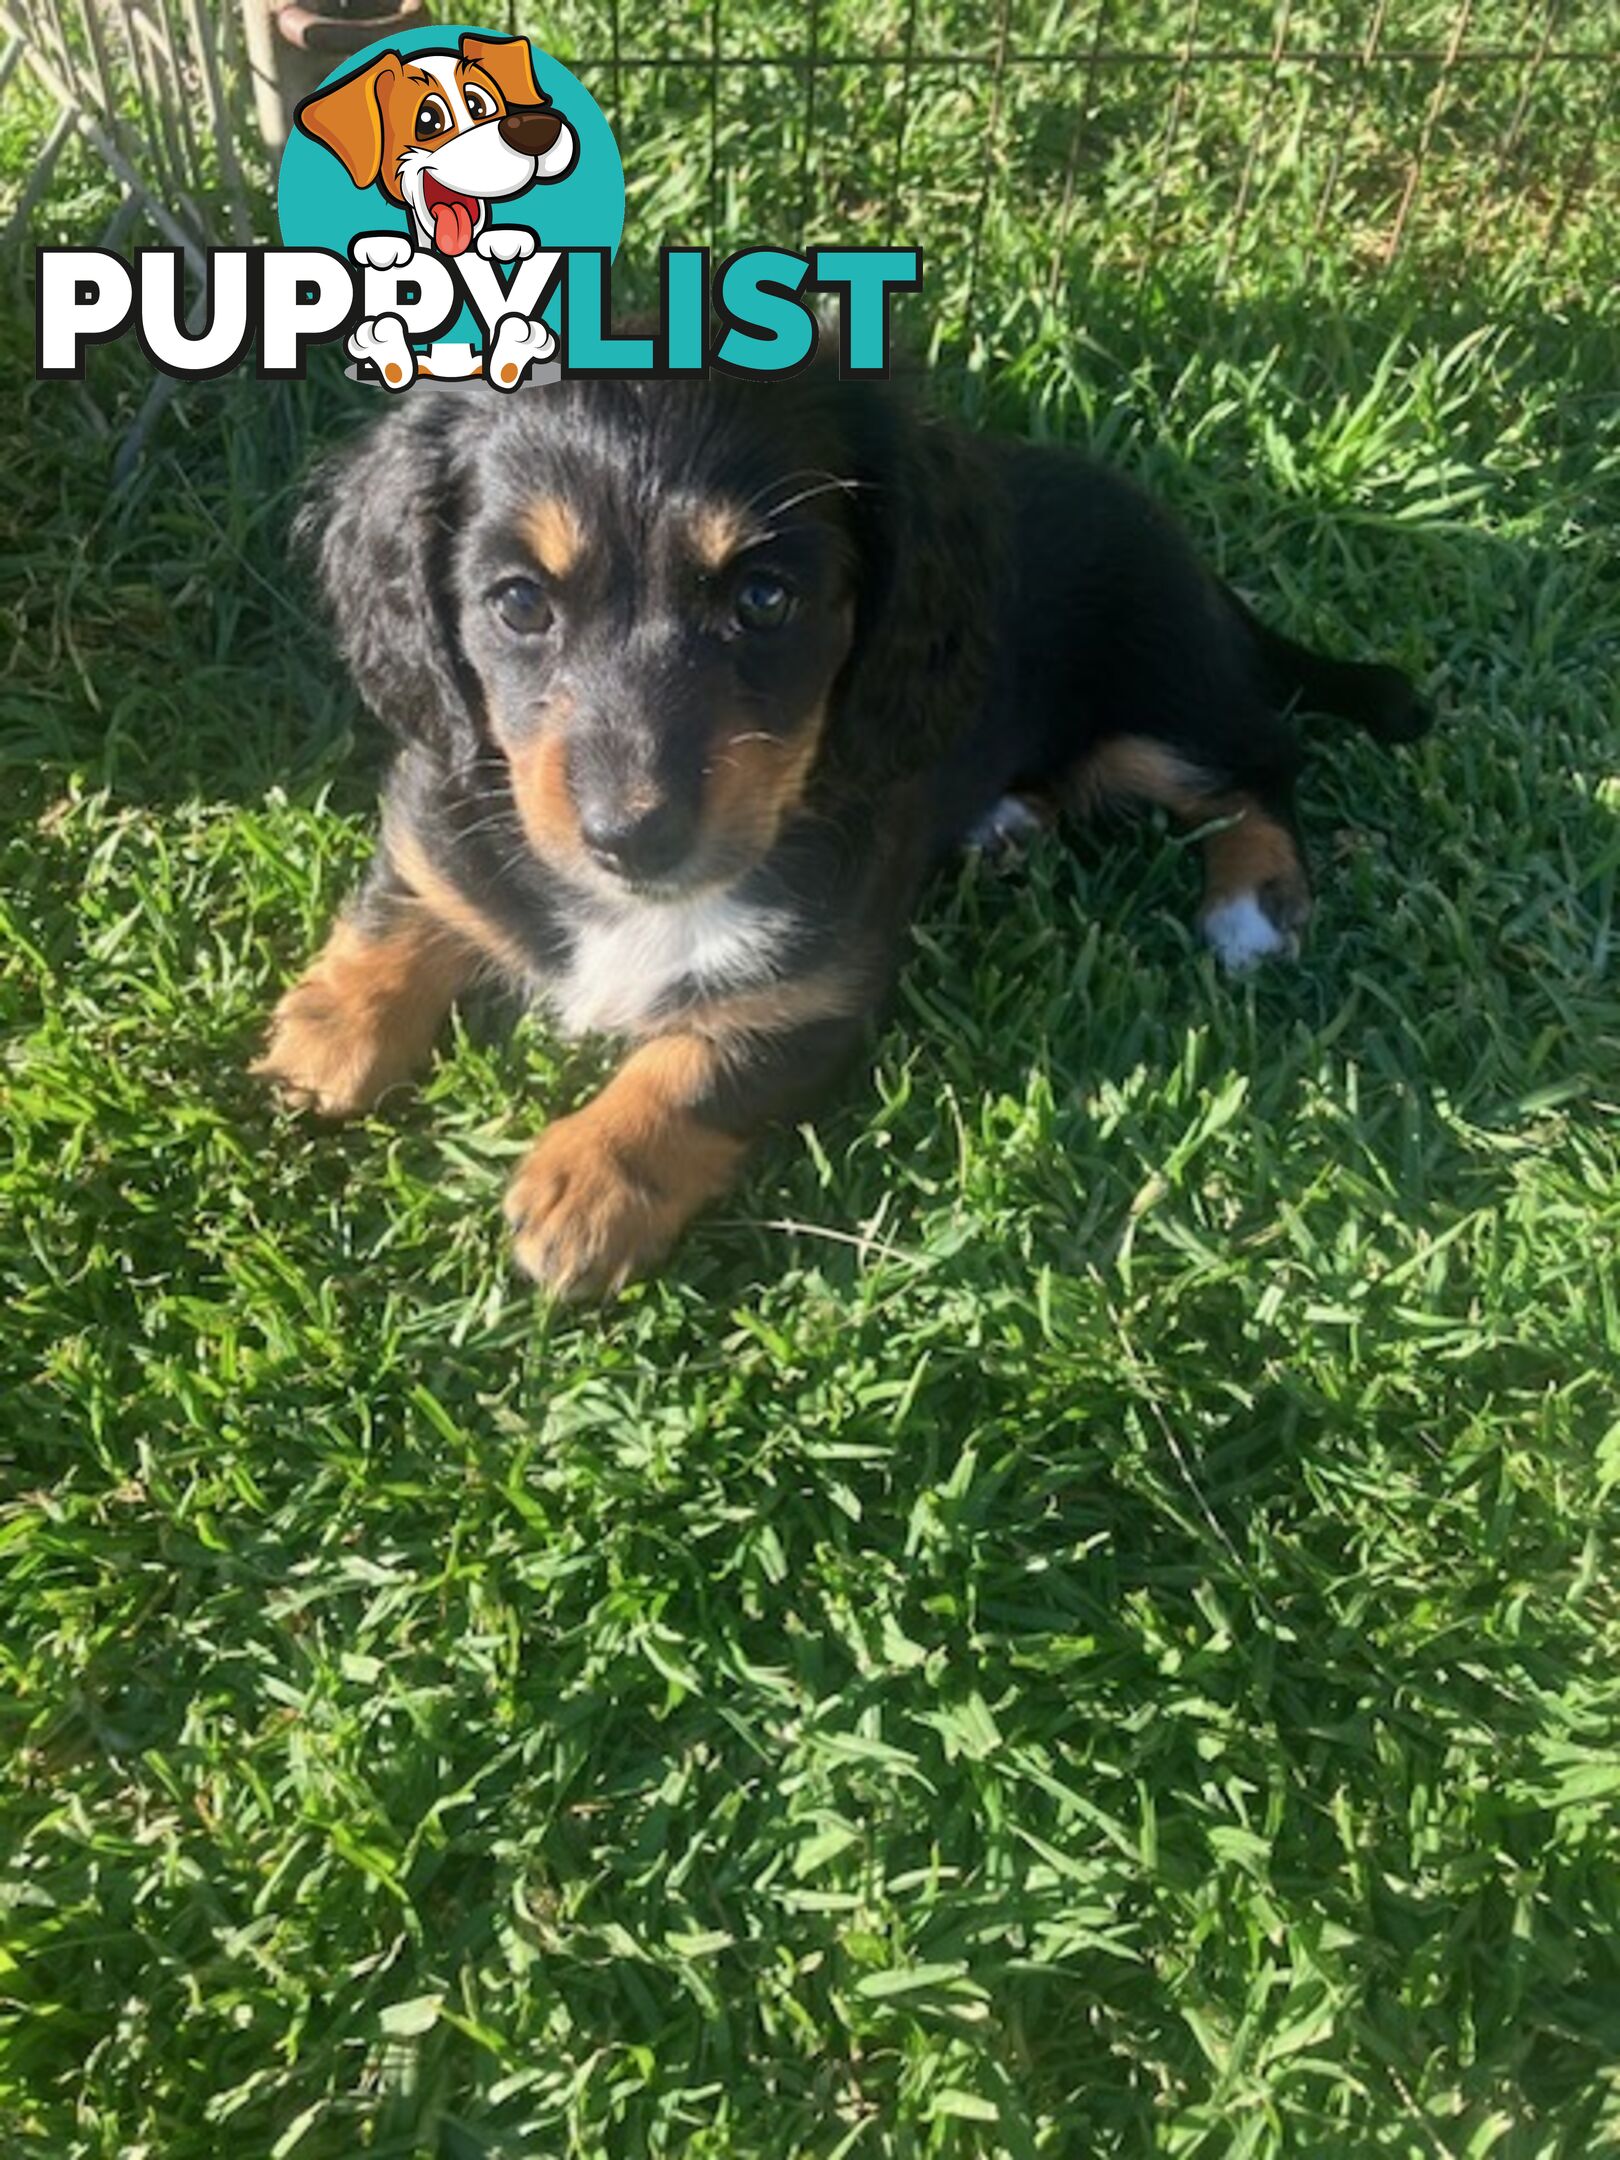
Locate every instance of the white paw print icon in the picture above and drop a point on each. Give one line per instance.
(518, 342)
(382, 342)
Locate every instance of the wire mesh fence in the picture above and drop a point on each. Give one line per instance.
(1036, 152)
(1034, 149)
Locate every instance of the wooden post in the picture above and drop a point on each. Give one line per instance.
(292, 44)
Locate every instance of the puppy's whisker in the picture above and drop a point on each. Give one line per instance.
(495, 822)
(786, 479)
(832, 485)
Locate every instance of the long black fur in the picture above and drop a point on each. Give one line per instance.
(1015, 609)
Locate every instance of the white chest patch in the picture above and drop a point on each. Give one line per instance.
(631, 956)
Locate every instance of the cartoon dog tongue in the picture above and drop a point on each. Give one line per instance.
(452, 226)
(452, 217)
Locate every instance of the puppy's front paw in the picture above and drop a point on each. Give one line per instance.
(382, 250)
(382, 342)
(322, 1055)
(363, 1016)
(518, 341)
(506, 243)
(603, 1195)
(588, 1216)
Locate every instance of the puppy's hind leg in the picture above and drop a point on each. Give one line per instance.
(1257, 896)
(1010, 826)
(1257, 893)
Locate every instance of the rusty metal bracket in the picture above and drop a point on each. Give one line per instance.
(314, 30)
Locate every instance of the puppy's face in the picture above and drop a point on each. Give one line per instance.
(656, 596)
(681, 617)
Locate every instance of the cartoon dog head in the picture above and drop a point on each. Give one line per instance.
(444, 133)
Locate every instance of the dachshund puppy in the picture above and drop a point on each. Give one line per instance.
(693, 683)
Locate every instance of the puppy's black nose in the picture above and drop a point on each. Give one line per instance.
(636, 843)
(530, 129)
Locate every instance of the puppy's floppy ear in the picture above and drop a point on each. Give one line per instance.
(347, 118)
(928, 517)
(509, 65)
(381, 519)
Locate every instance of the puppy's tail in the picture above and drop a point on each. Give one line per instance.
(1376, 696)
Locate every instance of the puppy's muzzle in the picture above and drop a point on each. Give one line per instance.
(530, 129)
(635, 840)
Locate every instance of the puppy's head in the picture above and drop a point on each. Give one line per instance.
(683, 616)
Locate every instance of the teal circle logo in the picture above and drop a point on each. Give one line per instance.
(468, 145)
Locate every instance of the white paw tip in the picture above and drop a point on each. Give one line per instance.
(1009, 824)
(1241, 934)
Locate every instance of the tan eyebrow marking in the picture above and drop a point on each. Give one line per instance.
(717, 531)
(554, 532)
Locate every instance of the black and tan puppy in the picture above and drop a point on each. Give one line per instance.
(693, 683)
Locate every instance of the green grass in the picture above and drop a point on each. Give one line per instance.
(1080, 1615)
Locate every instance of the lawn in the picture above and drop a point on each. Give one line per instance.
(1080, 1616)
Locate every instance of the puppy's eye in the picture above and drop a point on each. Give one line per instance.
(763, 602)
(522, 605)
(433, 120)
(479, 102)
